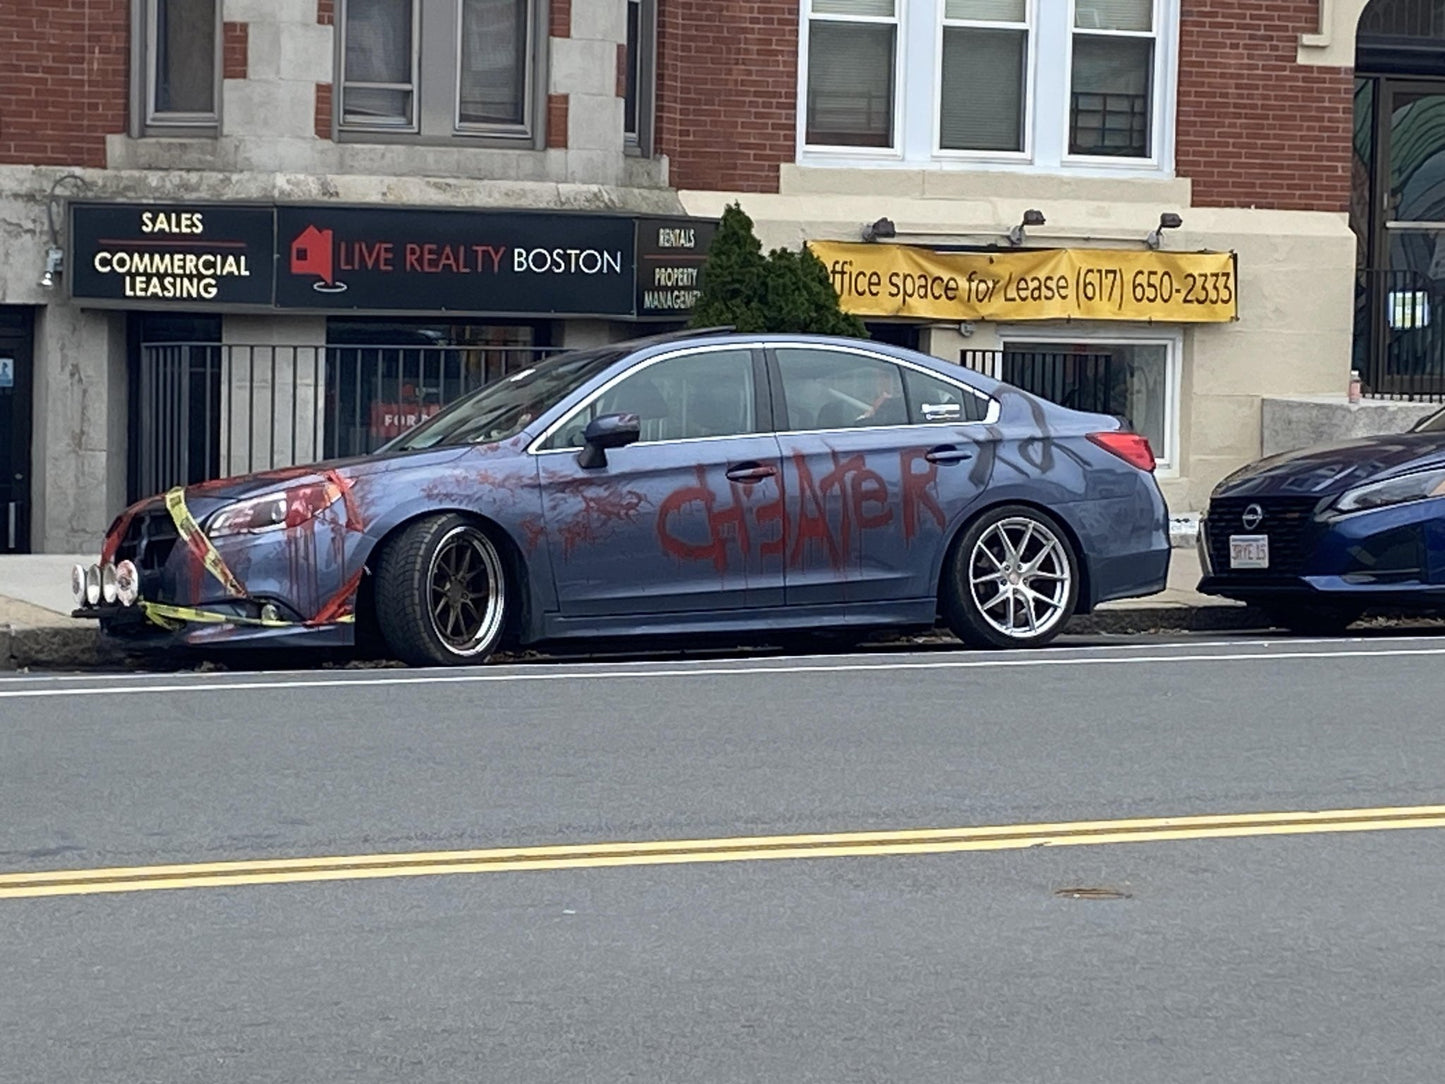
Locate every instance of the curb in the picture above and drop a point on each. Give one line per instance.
(59, 648)
(54, 648)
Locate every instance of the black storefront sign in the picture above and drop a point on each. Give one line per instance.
(380, 259)
(670, 255)
(172, 254)
(514, 262)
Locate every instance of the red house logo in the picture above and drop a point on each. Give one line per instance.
(312, 254)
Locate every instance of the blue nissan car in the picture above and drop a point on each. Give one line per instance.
(671, 486)
(1318, 536)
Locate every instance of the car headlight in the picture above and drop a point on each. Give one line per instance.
(1417, 486)
(274, 511)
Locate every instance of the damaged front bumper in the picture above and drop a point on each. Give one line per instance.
(162, 583)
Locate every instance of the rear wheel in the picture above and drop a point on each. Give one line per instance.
(1014, 580)
(441, 593)
(1314, 619)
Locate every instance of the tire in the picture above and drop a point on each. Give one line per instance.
(1012, 580)
(442, 593)
(1314, 619)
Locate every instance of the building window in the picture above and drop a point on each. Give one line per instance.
(983, 79)
(1111, 88)
(640, 93)
(178, 65)
(1132, 378)
(852, 55)
(439, 69)
(378, 87)
(1066, 85)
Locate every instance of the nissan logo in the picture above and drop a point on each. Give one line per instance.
(1253, 516)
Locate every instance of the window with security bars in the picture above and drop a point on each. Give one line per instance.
(852, 53)
(439, 68)
(1112, 78)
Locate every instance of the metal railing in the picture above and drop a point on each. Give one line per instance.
(207, 411)
(1091, 382)
(1399, 346)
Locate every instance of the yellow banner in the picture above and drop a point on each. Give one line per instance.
(1045, 284)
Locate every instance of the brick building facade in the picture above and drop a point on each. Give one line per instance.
(948, 122)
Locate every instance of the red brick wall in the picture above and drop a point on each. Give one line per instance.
(64, 79)
(559, 18)
(1255, 128)
(236, 50)
(557, 121)
(727, 91)
(323, 110)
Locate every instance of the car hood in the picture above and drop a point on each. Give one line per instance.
(1332, 469)
(205, 498)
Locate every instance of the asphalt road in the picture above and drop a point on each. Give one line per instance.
(586, 909)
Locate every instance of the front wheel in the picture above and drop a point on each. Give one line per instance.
(441, 593)
(1014, 580)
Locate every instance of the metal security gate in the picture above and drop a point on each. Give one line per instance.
(211, 411)
(1090, 382)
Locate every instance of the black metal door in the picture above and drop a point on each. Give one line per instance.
(16, 342)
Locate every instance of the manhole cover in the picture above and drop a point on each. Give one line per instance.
(1092, 893)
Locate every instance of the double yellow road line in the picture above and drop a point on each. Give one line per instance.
(732, 849)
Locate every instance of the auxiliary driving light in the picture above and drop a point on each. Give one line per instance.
(77, 584)
(92, 585)
(127, 583)
(107, 584)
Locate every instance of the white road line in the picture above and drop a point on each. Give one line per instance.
(1040, 660)
(576, 662)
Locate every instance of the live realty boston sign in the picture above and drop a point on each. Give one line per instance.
(464, 261)
(330, 258)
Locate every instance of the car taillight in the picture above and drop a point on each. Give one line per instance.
(1130, 447)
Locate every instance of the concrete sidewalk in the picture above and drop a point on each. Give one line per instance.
(37, 632)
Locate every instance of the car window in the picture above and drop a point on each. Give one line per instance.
(835, 389)
(709, 393)
(932, 400)
(505, 407)
(1432, 423)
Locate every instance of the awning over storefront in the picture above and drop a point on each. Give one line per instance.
(1035, 284)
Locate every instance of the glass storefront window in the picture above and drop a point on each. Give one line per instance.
(1130, 379)
(384, 376)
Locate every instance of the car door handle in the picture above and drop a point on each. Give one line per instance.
(748, 473)
(948, 453)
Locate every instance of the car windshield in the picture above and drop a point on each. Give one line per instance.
(507, 406)
(1433, 423)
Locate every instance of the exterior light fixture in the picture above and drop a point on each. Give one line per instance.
(882, 229)
(1167, 221)
(53, 260)
(1031, 218)
(54, 256)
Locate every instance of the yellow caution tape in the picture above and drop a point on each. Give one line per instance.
(195, 538)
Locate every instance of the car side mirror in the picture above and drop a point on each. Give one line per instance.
(607, 431)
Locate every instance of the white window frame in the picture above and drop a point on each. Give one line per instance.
(1172, 339)
(437, 37)
(899, 22)
(1029, 27)
(1163, 83)
(144, 53)
(918, 100)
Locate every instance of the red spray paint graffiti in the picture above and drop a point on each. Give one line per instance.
(826, 513)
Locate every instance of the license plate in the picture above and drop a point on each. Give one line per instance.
(1249, 551)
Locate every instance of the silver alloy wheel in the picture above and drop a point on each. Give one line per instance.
(465, 591)
(1019, 577)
